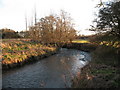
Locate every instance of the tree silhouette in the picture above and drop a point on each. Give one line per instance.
(108, 19)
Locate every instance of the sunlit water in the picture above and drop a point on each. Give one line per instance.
(55, 71)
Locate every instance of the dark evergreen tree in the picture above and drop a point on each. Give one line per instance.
(108, 19)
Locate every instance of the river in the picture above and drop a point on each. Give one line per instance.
(55, 71)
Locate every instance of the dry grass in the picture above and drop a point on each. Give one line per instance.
(16, 51)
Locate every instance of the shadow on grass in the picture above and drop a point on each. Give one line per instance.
(106, 55)
(87, 47)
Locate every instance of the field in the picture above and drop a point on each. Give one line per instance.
(80, 41)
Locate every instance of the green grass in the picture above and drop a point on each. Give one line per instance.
(103, 71)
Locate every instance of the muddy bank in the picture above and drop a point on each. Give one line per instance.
(103, 71)
(97, 76)
(29, 60)
(87, 47)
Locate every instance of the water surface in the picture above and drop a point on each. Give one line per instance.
(55, 71)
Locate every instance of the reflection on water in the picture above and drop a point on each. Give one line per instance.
(53, 72)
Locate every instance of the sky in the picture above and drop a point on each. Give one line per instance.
(13, 12)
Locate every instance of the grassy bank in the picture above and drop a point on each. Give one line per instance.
(81, 44)
(18, 52)
(103, 70)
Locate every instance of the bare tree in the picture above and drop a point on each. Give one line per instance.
(54, 29)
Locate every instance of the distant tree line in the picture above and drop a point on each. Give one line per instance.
(8, 33)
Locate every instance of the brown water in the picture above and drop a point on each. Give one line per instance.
(55, 71)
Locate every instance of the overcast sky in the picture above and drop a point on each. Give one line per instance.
(12, 12)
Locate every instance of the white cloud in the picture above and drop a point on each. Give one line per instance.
(12, 12)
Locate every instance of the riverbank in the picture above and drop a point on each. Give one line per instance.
(87, 47)
(16, 53)
(103, 71)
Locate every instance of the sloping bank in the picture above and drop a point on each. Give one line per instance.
(16, 53)
(103, 71)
